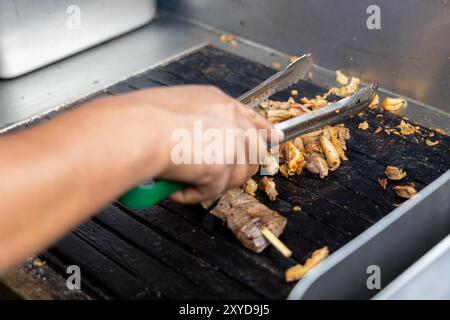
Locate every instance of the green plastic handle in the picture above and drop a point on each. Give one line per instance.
(146, 196)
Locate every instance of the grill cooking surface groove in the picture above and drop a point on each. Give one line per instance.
(174, 252)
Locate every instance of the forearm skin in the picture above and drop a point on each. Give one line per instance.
(58, 174)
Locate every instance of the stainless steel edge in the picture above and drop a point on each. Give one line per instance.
(54, 87)
(393, 244)
(428, 278)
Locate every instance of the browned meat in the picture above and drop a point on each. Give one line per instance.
(317, 165)
(269, 187)
(245, 216)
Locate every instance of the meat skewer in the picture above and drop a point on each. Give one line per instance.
(254, 224)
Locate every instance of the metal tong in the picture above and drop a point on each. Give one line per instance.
(145, 196)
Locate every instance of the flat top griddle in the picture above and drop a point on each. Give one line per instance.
(179, 252)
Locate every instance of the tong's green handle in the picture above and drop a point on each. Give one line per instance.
(146, 196)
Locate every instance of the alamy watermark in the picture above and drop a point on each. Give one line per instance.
(213, 146)
(373, 22)
(73, 282)
(373, 282)
(73, 21)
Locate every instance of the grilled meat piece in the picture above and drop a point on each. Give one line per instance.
(318, 165)
(250, 187)
(293, 158)
(269, 187)
(394, 104)
(245, 216)
(299, 271)
(405, 192)
(330, 153)
(394, 173)
(346, 90)
(269, 165)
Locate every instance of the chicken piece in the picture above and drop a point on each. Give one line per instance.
(311, 141)
(278, 115)
(394, 104)
(276, 65)
(394, 173)
(343, 135)
(269, 187)
(337, 143)
(330, 152)
(299, 271)
(363, 126)
(431, 143)
(383, 183)
(318, 165)
(293, 158)
(407, 129)
(226, 37)
(341, 78)
(316, 103)
(275, 105)
(375, 102)
(346, 90)
(298, 143)
(269, 165)
(405, 192)
(250, 187)
(313, 146)
(440, 131)
(299, 106)
(284, 170)
(246, 216)
(295, 112)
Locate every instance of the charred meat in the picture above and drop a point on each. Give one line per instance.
(245, 216)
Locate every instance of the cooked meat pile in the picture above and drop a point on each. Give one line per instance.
(245, 216)
(319, 152)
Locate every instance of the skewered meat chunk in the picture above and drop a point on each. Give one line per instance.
(269, 187)
(245, 216)
(208, 204)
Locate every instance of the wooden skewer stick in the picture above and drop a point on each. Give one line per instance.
(280, 246)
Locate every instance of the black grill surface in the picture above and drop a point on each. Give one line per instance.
(177, 252)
